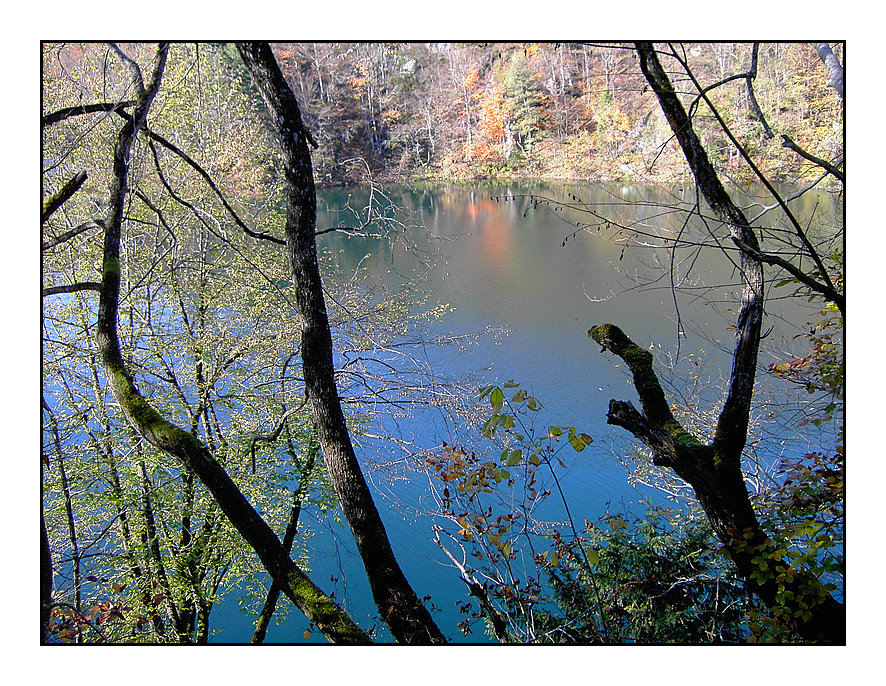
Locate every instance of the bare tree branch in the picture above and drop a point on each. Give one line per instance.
(206, 177)
(68, 235)
(268, 609)
(786, 142)
(78, 110)
(755, 106)
(72, 288)
(826, 284)
(275, 434)
(57, 200)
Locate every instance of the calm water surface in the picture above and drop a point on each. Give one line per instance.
(523, 285)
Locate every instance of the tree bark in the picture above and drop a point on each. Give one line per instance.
(732, 428)
(718, 483)
(270, 606)
(60, 198)
(67, 112)
(46, 574)
(407, 618)
(714, 470)
(835, 69)
(318, 607)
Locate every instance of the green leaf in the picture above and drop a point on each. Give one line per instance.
(616, 523)
(496, 399)
(593, 557)
(519, 396)
(580, 441)
(490, 424)
(514, 458)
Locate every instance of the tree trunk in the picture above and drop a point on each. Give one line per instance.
(719, 486)
(714, 470)
(46, 574)
(835, 69)
(408, 619)
(179, 623)
(317, 606)
(270, 606)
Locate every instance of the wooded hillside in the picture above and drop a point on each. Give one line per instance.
(549, 110)
(203, 384)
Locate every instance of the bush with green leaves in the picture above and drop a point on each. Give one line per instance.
(656, 577)
(645, 579)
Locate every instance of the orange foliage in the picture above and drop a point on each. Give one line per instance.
(492, 127)
(471, 78)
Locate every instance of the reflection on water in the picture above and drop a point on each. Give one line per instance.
(535, 277)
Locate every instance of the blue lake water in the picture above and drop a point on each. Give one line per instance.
(522, 287)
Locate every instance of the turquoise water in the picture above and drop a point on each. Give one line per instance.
(522, 286)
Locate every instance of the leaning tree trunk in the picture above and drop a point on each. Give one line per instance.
(321, 610)
(714, 470)
(835, 69)
(407, 618)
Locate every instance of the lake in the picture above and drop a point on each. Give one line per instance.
(522, 284)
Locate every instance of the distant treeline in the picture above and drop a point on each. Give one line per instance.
(548, 110)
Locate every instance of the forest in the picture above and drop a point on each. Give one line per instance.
(411, 111)
(237, 248)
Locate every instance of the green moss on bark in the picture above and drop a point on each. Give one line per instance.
(111, 265)
(322, 610)
(144, 418)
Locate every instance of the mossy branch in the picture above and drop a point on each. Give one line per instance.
(716, 479)
(320, 609)
(656, 411)
(60, 198)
